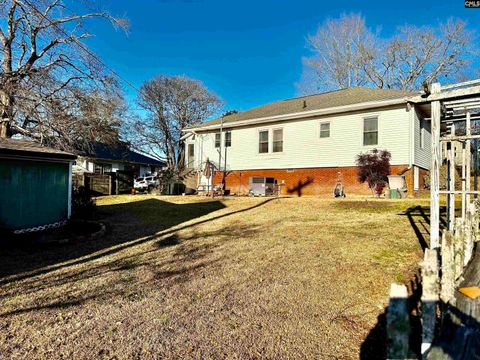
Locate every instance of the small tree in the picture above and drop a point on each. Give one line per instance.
(373, 167)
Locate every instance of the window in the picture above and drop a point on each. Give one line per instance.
(217, 140)
(98, 169)
(102, 168)
(370, 131)
(278, 140)
(191, 154)
(228, 139)
(263, 142)
(258, 180)
(325, 130)
(422, 135)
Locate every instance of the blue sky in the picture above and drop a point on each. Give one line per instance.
(247, 52)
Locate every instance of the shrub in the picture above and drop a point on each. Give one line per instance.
(83, 205)
(373, 167)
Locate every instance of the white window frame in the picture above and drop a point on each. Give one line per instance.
(373, 116)
(268, 141)
(320, 130)
(422, 134)
(225, 139)
(273, 139)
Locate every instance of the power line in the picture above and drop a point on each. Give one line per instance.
(83, 47)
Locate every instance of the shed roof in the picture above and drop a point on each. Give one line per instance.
(25, 148)
(119, 152)
(331, 99)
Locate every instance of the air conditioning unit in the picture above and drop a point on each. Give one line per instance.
(262, 186)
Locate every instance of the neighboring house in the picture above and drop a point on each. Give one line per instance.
(307, 143)
(104, 159)
(35, 185)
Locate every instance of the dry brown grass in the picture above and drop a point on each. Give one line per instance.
(187, 277)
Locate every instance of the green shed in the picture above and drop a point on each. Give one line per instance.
(35, 186)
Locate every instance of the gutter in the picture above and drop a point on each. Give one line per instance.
(304, 114)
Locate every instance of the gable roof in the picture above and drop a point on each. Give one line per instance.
(119, 152)
(327, 100)
(25, 148)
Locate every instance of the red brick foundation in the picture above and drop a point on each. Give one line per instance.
(311, 181)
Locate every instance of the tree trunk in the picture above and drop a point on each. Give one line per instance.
(6, 98)
(6, 114)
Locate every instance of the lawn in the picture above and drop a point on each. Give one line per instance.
(190, 277)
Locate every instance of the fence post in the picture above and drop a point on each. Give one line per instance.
(459, 247)
(468, 234)
(447, 290)
(398, 323)
(430, 283)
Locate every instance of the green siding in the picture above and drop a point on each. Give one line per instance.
(32, 193)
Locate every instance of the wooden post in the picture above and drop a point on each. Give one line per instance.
(468, 234)
(398, 323)
(435, 171)
(459, 248)
(447, 281)
(468, 150)
(451, 184)
(464, 180)
(430, 285)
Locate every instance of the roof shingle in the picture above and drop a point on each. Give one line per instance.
(28, 148)
(350, 96)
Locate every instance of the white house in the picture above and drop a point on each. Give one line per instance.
(108, 158)
(310, 142)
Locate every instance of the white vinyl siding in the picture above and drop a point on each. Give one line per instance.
(302, 147)
(422, 155)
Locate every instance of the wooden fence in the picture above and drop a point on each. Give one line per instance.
(105, 184)
(448, 261)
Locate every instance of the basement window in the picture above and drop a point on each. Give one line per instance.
(263, 142)
(370, 131)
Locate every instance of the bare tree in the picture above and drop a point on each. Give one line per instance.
(53, 89)
(172, 104)
(413, 56)
(339, 46)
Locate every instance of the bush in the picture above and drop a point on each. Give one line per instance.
(373, 167)
(83, 205)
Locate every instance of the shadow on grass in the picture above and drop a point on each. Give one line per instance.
(130, 275)
(419, 218)
(130, 224)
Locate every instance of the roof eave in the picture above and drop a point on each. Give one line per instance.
(305, 114)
